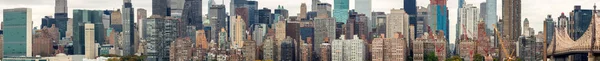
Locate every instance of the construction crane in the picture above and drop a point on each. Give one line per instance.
(508, 55)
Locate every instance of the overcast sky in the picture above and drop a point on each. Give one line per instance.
(535, 10)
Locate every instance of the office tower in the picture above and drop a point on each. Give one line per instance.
(314, 4)
(410, 6)
(348, 50)
(349, 25)
(526, 28)
(340, 10)
(43, 41)
(459, 22)
(161, 32)
(579, 18)
(397, 21)
(281, 11)
(89, 41)
(218, 17)
(549, 26)
(80, 17)
(482, 11)
(252, 12)
(438, 16)
(325, 51)
(491, 16)
(292, 29)
(469, 19)
(379, 18)
(177, 6)
(181, 49)
(236, 4)
(243, 13)
(106, 18)
(116, 21)
(280, 30)
(511, 27)
(192, 13)
(268, 49)
(302, 14)
(364, 7)
(259, 33)
(307, 30)
(128, 32)
(288, 50)
(562, 21)
(61, 16)
(324, 30)
(239, 32)
(47, 22)
(160, 7)
(264, 16)
(18, 24)
(141, 15)
(324, 10)
(306, 50)
(249, 50)
(422, 18)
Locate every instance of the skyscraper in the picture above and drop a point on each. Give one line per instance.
(236, 4)
(264, 16)
(364, 7)
(218, 17)
(579, 22)
(340, 10)
(18, 24)
(177, 6)
(61, 16)
(302, 14)
(192, 13)
(80, 17)
(491, 17)
(439, 16)
(397, 21)
(511, 23)
(160, 7)
(141, 15)
(314, 5)
(90, 45)
(128, 32)
(469, 20)
(252, 12)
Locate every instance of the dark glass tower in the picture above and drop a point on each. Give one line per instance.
(160, 7)
(192, 13)
(252, 12)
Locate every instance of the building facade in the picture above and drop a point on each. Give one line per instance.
(18, 24)
(90, 49)
(340, 10)
(397, 21)
(469, 19)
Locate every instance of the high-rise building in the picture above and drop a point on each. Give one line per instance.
(364, 7)
(181, 49)
(268, 49)
(292, 29)
(250, 50)
(80, 17)
(422, 18)
(90, 49)
(252, 12)
(324, 29)
(239, 32)
(325, 51)
(323, 10)
(192, 13)
(511, 23)
(491, 16)
(410, 6)
(526, 28)
(160, 32)
(288, 49)
(160, 7)
(236, 4)
(438, 16)
(379, 18)
(128, 28)
(141, 15)
(348, 50)
(579, 22)
(177, 6)
(218, 17)
(468, 23)
(43, 41)
(61, 16)
(116, 21)
(264, 16)
(302, 14)
(562, 21)
(340, 10)
(549, 26)
(314, 4)
(47, 22)
(281, 11)
(397, 21)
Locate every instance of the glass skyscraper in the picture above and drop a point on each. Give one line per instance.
(340, 10)
(17, 27)
(491, 17)
(80, 17)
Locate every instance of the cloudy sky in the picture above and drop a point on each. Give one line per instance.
(534, 10)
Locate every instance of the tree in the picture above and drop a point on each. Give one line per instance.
(478, 57)
(431, 57)
(454, 58)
